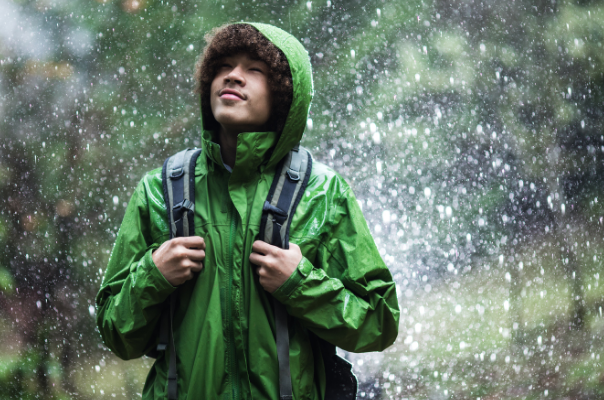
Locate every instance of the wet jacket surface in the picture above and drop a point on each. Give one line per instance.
(224, 328)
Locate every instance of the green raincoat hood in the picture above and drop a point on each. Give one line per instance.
(253, 148)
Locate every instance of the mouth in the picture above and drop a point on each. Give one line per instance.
(230, 94)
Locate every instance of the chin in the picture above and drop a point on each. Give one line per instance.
(230, 118)
(232, 122)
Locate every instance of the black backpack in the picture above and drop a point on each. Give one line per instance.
(289, 183)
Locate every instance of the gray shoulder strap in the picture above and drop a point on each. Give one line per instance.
(284, 195)
(289, 183)
(178, 180)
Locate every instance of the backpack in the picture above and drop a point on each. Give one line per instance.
(289, 184)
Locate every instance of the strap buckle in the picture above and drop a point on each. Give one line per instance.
(293, 175)
(177, 173)
(268, 207)
(186, 204)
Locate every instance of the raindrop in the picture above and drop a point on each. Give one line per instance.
(376, 137)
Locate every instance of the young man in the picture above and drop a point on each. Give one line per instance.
(256, 86)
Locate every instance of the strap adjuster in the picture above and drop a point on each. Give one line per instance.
(268, 207)
(186, 204)
(177, 173)
(293, 175)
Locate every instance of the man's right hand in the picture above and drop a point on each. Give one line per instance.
(177, 259)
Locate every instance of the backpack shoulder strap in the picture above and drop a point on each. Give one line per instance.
(289, 183)
(178, 181)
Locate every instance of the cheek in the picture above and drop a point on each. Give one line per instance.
(214, 103)
(267, 103)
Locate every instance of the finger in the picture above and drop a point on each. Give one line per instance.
(262, 247)
(262, 272)
(257, 259)
(192, 242)
(189, 275)
(195, 254)
(197, 267)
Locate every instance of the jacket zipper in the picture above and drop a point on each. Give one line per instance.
(233, 367)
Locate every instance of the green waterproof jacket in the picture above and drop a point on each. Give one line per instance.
(224, 326)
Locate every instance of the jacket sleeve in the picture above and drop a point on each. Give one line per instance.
(129, 302)
(349, 297)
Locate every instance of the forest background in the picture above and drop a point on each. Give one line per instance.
(470, 131)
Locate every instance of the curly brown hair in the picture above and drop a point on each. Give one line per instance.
(243, 38)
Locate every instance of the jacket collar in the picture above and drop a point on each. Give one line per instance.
(254, 150)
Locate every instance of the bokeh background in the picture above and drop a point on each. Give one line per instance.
(470, 130)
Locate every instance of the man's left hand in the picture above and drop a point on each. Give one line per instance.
(275, 264)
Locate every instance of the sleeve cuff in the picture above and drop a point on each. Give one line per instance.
(153, 285)
(300, 273)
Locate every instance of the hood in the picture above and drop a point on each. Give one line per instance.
(255, 147)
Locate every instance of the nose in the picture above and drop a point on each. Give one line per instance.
(236, 76)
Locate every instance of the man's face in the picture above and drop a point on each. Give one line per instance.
(240, 97)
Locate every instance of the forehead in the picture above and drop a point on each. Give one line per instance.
(243, 57)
